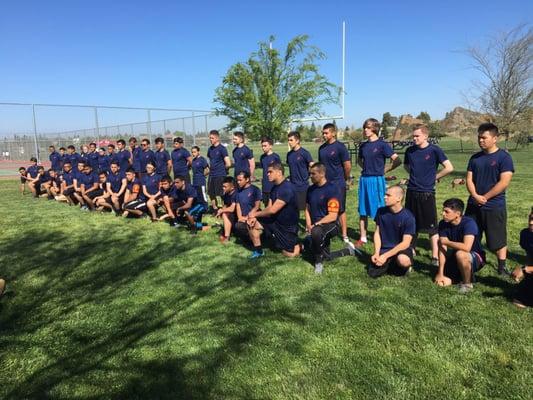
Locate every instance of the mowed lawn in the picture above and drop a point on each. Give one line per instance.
(101, 307)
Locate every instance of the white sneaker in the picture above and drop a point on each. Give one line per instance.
(319, 268)
(348, 242)
(464, 288)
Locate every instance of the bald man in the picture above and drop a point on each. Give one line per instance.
(395, 230)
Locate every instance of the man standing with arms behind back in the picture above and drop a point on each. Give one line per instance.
(334, 155)
(422, 162)
(488, 174)
(219, 163)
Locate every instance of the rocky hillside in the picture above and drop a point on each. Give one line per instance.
(461, 120)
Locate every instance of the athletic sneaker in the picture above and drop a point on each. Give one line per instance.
(348, 242)
(257, 254)
(464, 288)
(434, 261)
(319, 268)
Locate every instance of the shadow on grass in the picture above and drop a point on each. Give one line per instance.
(223, 304)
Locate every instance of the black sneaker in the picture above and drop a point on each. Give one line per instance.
(376, 272)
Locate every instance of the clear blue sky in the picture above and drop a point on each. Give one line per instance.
(402, 56)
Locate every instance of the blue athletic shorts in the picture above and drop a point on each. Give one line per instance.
(371, 195)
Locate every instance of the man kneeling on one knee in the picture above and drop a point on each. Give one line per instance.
(460, 252)
(395, 229)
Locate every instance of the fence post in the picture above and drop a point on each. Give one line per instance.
(149, 126)
(193, 131)
(97, 126)
(35, 134)
(206, 131)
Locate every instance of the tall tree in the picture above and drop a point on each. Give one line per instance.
(265, 93)
(424, 116)
(504, 87)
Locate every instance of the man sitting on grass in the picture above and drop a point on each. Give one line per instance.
(460, 252)
(32, 175)
(67, 186)
(322, 217)
(133, 190)
(166, 189)
(115, 189)
(248, 199)
(279, 220)
(150, 191)
(227, 211)
(87, 187)
(23, 180)
(524, 294)
(185, 205)
(395, 230)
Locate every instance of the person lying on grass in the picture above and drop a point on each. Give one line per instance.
(395, 230)
(279, 220)
(460, 252)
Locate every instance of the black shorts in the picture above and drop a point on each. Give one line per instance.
(491, 222)
(241, 230)
(22, 180)
(424, 208)
(68, 192)
(524, 291)
(95, 193)
(200, 191)
(283, 239)
(138, 205)
(214, 186)
(301, 198)
(451, 270)
(232, 218)
(120, 200)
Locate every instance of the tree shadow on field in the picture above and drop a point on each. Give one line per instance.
(78, 292)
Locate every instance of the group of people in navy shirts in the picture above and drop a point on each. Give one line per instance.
(133, 181)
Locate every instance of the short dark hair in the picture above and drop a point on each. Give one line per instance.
(71, 147)
(214, 132)
(92, 144)
(33, 159)
(62, 148)
(239, 134)
(111, 145)
(52, 147)
(102, 173)
(195, 148)
(454, 204)
(130, 169)
(67, 162)
(22, 168)
(180, 178)
(114, 162)
(132, 139)
(167, 179)
(330, 127)
(245, 174)
(321, 167)
(373, 124)
(152, 163)
(294, 134)
(101, 149)
(277, 167)
(159, 140)
(229, 179)
(178, 140)
(146, 140)
(40, 167)
(267, 139)
(488, 127)
(122, 141)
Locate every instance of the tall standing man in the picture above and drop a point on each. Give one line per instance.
(55, 159)
(219, 163)
(334, 155)
(163, 164)
(488, 175)
(243, 156)
(299, 161)
(267, 158)
(181, 160)
(422, 162)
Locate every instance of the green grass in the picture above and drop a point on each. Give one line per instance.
(102, 307)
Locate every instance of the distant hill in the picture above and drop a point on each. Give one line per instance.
(461, 121)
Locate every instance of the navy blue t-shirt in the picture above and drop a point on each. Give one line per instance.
(73, 159)
(45, 177)
(84, 157)
(170, 192)
(457, 233)
(87, 180)
(392, 227)
(322, 200)
(486, 170)
(151, 182)
(333, 156)
(247, 198)
(298, 162)
(526, 242)
(265, 161)
(216, 155)
(161, 162)
(179, 162)
(68, 177)
(123, 159)
(103, 162)
(229, 198)
(112, 157)
(135, 187)
(136, 159)
(55, 160)
(92, 159)
(374, 155)
(423, 165)
(241, 155)
(185, 193)
(32, 171)
(199, 164)
(288, 216)
(115, 180)
(146, 156)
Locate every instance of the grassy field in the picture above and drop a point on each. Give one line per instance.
(102, 307)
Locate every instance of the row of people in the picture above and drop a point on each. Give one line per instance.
(489, 173)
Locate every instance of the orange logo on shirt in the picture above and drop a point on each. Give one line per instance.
(333, 205)
(136, 188)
